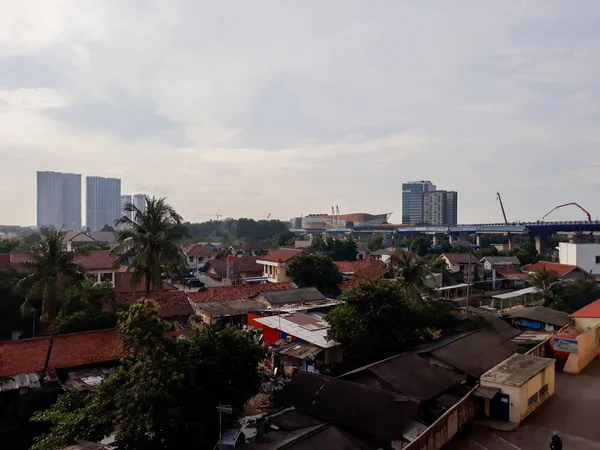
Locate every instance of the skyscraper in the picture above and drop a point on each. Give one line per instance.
(412, 200)
(103, 202)
(59, 200)
(139, 201)
(440, 208)
(125, 200)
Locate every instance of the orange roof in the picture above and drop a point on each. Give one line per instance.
(70, 350)
(591, 310)
(96, 260)
(560, 269)
(353, 266)
(371, 272)
(197, 250)
(172, 303)
(283, 254)
(223, 293)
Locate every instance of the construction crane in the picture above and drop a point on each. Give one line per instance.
(269, 216)
(334, 220)
(571, 204)
(337, 208)
(511, 244)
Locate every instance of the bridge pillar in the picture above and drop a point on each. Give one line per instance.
(436, 240)
(478, 240)
(540, 242)
(453, 239)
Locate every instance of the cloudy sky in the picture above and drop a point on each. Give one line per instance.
(247, 108)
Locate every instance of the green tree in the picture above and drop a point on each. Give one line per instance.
(49, 274)
(381, 318)
(164, 393)
(10, 302)
(149, 244)
(336, 249)
(10, 244)
(375, 242)
(107, 228)
(410, 271)
(316, 271)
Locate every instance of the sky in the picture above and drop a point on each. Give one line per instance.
(251, 108)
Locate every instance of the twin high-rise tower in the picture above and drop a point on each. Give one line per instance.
(59, 201)
(422, 203)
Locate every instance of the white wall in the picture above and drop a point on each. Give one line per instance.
(582, 255)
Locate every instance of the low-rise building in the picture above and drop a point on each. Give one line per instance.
(521, 384)
(232, 271)
(276, 264)
(499, 262)
(383, 255)
(198, 255)
(557, 270)
(537, 318)
(459, 262)
(585, 256)
(588, 317)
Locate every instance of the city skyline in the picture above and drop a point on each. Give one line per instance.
(331, 103)
(58, 200)
(103, 202)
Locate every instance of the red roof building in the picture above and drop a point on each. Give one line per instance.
(69, 351)
(350, 267)
(561, 270)
(241, 267)
(173, 304)
(224, 293)
(281, 255)
(591, 310)
(123, 284)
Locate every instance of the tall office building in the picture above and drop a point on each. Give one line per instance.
(59, 200)
(412, 200)
(440, 208)
(103, 202)
(125, 200)
(139, 200)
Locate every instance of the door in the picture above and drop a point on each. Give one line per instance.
(500, 407)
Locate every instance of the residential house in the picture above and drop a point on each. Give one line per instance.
(212, 246)
(500, 262)
(518, 386)
(508, 278)
(561, 271)
(75, 239)
(242, 269)
(302, 329)
(356, 272)
(198, 255)
(276, 263)
(99, 266)
(364, 252)
(290, 297)
(256, 247)
(459, 262)
(229, 312)
(588, 317)
(379, 417)
(383, 255)
(585, 256)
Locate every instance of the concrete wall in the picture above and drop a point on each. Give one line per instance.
(582, 255)
(587, 349)
(587, 323)
(276, 273)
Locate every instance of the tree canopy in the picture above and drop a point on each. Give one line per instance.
(237, 228)
(381, 318)
(315, 271)
(336, 249)
(164, 394)
(375, 242)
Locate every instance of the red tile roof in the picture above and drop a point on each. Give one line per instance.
(371, 272)
(70, 350)
(4, 260)
(242, 264)
(196, 250)
(96, 260)
(283, 254)
(352, 266)
(351, 283)
(223, 293)
(19, 258)
(592, 311)
(560, 269)
(123, 284)
(172, 303)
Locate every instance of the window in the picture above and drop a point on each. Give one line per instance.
(191, 259)
(200, 258)
(106, 276)
(533, 399)
(597, 259)
(543, 390)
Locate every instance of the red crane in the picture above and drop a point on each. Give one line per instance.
(571, 204)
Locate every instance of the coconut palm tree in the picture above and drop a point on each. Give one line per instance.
(51, 271)
(149, 243)
(410, 271)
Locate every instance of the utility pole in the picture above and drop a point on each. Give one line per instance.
(469, 280)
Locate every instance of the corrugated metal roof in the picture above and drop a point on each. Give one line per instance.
(302, 295)
(299, 351)
(230, 307)
(541, 314)
(22, 380)
(519, 293)
(314, 336)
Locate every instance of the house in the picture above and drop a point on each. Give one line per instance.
(302, 329)
(561, 271)
(276, 263)
(499, 262)
(242, 269)
(537, 318)
(197, 255)
(363, 252)
(359, 271)
(224, 293)
(379, 417)
(212, 246)
(75, 239)
(588, 317)
(508, 278)
(301, 243)
(256, 247)
(229, 312)
(584, 256)
(383, 255)
(459, 262)
(99, 266)
(518, 386)
(290, 297)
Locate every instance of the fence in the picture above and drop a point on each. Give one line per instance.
(446, 427)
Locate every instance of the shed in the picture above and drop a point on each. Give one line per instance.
(524, 382)
(522, 296)
(538, 318)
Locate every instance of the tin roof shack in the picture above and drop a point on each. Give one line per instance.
(300, 329)
(228, 312)
(297, 297)
(523, 383)
(536, 318)
(376, 416)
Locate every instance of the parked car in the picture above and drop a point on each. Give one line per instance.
(193, 282)
(182, 278)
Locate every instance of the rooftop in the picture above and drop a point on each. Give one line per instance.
(591, 310)
(349, 267)
(375, 412)
(70, 350)
(239, 265)
(222, 293)
(196, 250)
(560, 269)
(541, 314)
(172, 303)
(382, 252)
(517, 370)
(301, 295)
(230, 307)
(302, 326)
(502, 260)
(460, 258)
(281, 255)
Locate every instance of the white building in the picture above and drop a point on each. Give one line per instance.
(584, 256)
(59, 200)
(103, 202)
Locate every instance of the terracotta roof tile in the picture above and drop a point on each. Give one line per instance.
(560, 269)
(19, 258)
(96, 260)
(123, 284)
(592, 310)
(4, 260)
(352, 266)
(172, 303)
(242, 264)
(70, 350)
(283, 254)
(196, 250)
(223, 293)
(371, 272)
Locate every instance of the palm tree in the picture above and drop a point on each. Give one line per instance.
(410, 271)
(542, 280)
(51, 271)
(149, 243)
